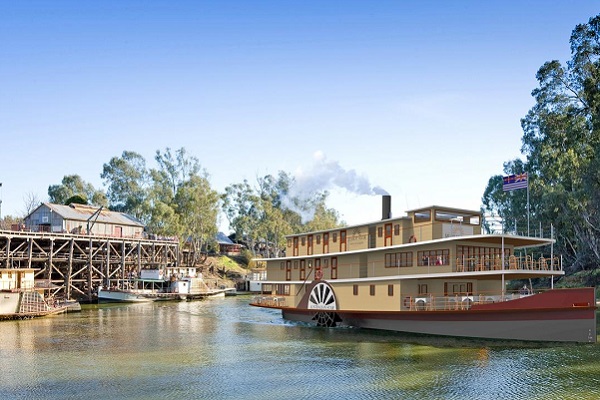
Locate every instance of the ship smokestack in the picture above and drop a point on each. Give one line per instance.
(386, 207)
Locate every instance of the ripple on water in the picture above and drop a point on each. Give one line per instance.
(227, 349)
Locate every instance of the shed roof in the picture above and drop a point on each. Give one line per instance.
(223, 239)
(81, 212)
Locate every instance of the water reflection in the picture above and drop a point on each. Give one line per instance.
(223, 348)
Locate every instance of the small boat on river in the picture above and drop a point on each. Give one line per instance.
(432, 271)
(159, 285)
(19, 299)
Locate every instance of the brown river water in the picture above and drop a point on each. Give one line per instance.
(226, 349)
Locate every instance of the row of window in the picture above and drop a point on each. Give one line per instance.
(424, 258)
(307, 266)
(304, 240)
(442, 256)
(453, 288)
(439, 257)
(390, 290)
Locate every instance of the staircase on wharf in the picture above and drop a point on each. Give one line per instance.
(74, 266)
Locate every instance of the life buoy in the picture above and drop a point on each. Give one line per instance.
(318, 274)
(412, 239)
(407, 302)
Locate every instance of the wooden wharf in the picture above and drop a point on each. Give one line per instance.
(74, 265)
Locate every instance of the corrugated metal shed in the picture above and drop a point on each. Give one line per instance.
(79, 212)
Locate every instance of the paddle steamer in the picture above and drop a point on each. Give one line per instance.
(21, 299)
(432, 271)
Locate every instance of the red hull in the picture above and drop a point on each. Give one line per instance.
(567, 315)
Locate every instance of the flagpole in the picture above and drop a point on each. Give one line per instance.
(527, 204)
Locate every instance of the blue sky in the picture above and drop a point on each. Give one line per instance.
(420, 98)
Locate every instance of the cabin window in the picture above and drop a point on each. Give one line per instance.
(423, 288)
(422, 216)
(458, 288)
(325, 263)
(267, 288)
(334, 273)
(334, 237)
(433, 257)
(390, 290)
(302, 270)
(355, 290)
(318, 239)
(403, 259)
(380, 232)
(372, 290)
(288, 271)
(303, 241)
(282, 289)
(397, 229)
(456, 217)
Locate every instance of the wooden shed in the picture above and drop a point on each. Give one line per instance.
(82, 219)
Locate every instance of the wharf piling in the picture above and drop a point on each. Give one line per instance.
(74, 266)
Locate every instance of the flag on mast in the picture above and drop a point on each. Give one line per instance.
(514, 182)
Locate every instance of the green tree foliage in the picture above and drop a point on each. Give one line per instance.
(77, 199)
(243, 209)
(561, 141)
(180, 201)
(263, 215)
(73, 185)
(197, 207)
(509, 207)
(127, 181)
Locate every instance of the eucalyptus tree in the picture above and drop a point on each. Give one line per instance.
(323, 216)
(243, 210)
(509, 207)
(172, 172)
(197, 208)
(561, 142)
(73, 185)
(127, 179)
(270, 211)
(181, 201)
(274, 222)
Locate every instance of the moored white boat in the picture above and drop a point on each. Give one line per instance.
(106, 295)
(159, 285)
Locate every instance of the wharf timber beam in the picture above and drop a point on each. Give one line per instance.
(74, 266)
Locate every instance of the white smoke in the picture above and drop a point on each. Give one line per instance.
(326, 174)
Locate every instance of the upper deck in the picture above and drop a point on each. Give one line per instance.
(419, 225)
